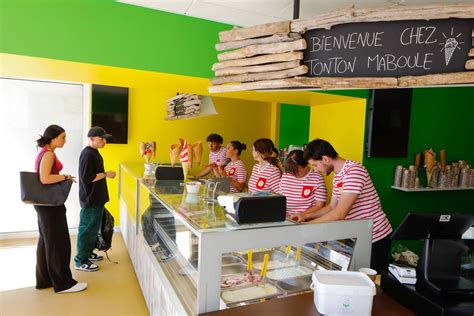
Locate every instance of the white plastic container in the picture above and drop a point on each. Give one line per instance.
(343, 292)
(193, 187)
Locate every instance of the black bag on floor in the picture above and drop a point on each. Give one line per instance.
(104, 239)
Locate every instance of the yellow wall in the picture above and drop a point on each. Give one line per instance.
(243, 116)
(343, 125)
(237, 119)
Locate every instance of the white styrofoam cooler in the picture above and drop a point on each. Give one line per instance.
(343, 292)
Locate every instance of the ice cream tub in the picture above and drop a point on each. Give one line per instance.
(249, 293)
(342, 292)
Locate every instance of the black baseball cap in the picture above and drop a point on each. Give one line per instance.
(98, 131)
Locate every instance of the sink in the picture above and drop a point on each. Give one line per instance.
(233, 269)
(230, 260)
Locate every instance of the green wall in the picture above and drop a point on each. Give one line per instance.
(294, 125)
(109, 33)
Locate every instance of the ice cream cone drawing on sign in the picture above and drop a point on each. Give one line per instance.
(430, 162)
(450, 45)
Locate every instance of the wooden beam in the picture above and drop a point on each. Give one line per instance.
(259, 68)
(259, 60)
(470, 64)
(238, 34)
(309, 83)
(253, 50)
(437, 79)
(352, 15)
(276, 38)
(287, 73)
(471, 52)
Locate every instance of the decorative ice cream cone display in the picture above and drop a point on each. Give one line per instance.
(148, 150)
(197, 152)
(430, 163)
(175, 149)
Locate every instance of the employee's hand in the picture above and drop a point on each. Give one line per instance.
(298, 217)
(110, 174)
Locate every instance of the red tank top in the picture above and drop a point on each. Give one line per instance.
(58, 164)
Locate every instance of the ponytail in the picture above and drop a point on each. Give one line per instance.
(238, 146)
(266, 148)
(50, 133)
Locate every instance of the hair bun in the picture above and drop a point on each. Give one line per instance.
(244, 146)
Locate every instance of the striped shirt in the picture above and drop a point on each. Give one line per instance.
(265, 177)
(302, 193)
(236, 170)
(218, 157)
(354, 178)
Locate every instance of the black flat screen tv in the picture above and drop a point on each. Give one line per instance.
(389, 122)
(110, 111)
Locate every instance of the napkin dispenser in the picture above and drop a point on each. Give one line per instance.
(261, 207)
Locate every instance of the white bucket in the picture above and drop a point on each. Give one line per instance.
(342, 292)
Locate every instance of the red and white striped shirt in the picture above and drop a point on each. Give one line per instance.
(218, 157)
(302, 193)
(265, 177)
(236, 170)
(354, 178)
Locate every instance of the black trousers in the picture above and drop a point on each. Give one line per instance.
(380, 252)
(53, 254)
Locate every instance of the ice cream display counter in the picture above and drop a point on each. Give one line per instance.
(191, 258)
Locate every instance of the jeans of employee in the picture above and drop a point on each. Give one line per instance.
(89, 225)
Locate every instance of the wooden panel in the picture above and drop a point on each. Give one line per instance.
(287, 73)
(258, 60)
(352, 15)
(238, 34)
(253, 50)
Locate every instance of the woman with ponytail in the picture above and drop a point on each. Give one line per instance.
(235, 169)
(53, 254)
(267, 172)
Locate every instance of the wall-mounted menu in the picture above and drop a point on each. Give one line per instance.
(389, 49)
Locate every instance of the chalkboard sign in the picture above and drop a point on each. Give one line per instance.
(389, 49)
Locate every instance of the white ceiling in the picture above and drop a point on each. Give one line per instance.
(254, 12)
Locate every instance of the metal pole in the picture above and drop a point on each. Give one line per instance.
(296, 9)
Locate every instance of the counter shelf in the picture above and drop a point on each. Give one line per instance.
(180, 246)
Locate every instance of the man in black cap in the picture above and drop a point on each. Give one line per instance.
(93, 194)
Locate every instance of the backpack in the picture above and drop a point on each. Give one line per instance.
(104, 238)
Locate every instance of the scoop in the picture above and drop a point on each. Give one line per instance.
(298, 255)
(263, 273)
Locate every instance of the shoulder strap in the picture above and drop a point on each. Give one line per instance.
(54, 170)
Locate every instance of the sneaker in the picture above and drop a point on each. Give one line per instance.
(95, 257)
(80, 286)
(88, 267)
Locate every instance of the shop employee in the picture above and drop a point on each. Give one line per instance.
(267, 172)
(303, 187)
(353, 197)
(235, 169)
(217, 156)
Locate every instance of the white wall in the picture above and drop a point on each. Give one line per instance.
(26, 109)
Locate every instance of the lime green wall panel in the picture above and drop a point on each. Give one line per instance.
(294, 125)
(106, 32)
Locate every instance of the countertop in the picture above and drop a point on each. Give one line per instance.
(303, 305)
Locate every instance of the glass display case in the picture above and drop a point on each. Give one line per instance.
(192, 258)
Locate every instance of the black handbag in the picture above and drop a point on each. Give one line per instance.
(36, 193)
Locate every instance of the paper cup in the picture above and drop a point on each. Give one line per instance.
(371, 273)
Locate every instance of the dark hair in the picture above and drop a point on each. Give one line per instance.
(269, 153)
(318, 148)
(50, 133)
(238, 145)
(215, 138)
(294, 160)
